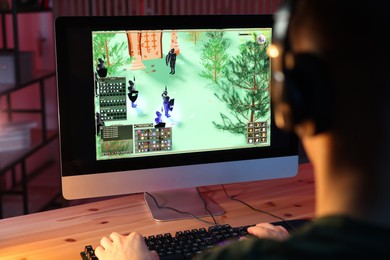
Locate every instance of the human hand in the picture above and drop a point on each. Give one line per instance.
(267, 230)
(120, 247)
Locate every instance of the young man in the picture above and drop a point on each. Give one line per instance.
(331, 86)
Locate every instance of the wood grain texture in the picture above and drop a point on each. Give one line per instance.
(63, 233)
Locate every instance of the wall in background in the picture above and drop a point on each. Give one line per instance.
(163, 7)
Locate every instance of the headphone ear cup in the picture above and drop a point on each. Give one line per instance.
(306, 91)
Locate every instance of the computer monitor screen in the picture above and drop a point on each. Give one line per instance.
(161, 103)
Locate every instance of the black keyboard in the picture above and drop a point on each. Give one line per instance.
(187, 243)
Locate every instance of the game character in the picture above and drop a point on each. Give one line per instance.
(101, 68)
(167, 102)
(96, 85)
(158, 120)
(171, 59)
(99, 123)
(133, 93)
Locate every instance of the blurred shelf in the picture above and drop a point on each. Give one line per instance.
(14, 173)
(24, 191)
(9, 159)
(36, 78)
(44, 190)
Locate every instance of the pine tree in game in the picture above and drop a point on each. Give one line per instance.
(214, 55)
(245, 88)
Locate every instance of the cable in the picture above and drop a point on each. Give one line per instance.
(205, 205)
(185, 212)
(255, 209)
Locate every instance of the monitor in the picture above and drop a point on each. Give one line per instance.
(162, 105)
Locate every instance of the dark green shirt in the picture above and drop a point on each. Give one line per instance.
(333, 237)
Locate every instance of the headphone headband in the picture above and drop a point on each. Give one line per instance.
(300, 84)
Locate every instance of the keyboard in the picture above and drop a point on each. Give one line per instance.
(187, 243)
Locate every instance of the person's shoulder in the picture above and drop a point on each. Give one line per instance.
(353, 237)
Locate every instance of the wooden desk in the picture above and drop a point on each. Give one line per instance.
(63, 233)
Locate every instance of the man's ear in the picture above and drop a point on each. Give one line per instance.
(303, 100)
(305, 128)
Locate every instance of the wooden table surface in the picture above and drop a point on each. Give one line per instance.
(63, 233)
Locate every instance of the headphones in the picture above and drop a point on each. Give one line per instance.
(299, 84)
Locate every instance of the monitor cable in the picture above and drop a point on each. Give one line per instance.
(186, 212)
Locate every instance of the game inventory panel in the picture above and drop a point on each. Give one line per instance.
(112, 98)
(148, 138)
(127, 139)
(257, 132)
(118, 139)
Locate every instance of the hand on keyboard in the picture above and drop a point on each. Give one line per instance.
(267, 230)
(119, 247)
(184, 244)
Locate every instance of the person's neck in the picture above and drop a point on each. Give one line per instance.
(335, 194)
(343, 192)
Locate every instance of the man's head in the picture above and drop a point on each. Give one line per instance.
(331, 77)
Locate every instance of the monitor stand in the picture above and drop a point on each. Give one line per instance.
(183, 200)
